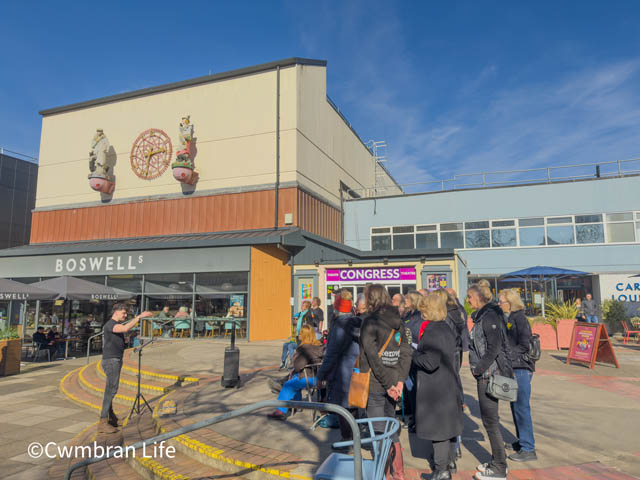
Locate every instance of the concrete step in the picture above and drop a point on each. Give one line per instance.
(224, 453)
(162, 467)
(74, 390)
(105, 470)
(130, 368)
(129, 382)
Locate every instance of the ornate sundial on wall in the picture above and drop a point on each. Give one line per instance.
(151, 154)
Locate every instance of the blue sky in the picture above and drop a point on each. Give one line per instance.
(453, 87)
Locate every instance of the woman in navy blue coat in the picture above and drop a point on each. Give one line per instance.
(340, 356)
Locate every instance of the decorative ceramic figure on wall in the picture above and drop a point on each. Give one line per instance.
(183, 167)
(100, 178)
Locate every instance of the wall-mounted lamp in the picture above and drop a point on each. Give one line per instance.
(385, 260)
(316, 262)
(423, 259)
(350, 263)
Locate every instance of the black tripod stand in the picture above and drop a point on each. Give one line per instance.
(137, 403)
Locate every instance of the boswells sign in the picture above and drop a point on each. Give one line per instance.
(98, 263)
(371, 275)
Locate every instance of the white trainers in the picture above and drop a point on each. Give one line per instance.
(486, 471)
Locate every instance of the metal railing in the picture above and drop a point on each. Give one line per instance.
(357, 454)
(584, 171)
(89, 344)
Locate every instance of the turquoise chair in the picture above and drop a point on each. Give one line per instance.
(181, 326)
(339, 466)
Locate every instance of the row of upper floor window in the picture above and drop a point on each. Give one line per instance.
(597, 228)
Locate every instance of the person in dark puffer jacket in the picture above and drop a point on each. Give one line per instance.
(340, 356)
(489, 354)
(519, 336)
(388, 371)
(412, 320)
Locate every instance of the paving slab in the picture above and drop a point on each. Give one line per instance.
(586, 421)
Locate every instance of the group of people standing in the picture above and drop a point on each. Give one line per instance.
(413, 348)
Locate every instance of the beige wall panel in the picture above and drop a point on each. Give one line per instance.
(234, 125)
(328, 150)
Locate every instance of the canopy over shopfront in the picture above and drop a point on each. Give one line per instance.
(72, 288)
(542, 274)
(12, 290)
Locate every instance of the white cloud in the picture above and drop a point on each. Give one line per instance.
(490, 122)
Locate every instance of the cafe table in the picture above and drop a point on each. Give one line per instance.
(66, 346)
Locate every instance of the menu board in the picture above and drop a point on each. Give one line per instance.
(590, 343)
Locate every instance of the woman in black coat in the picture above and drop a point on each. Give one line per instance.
(439, 398)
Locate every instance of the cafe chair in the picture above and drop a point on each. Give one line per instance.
(37, 349)
(312, 389)
(339, 466)
(228, 326)
(628, 332)
(212, 329)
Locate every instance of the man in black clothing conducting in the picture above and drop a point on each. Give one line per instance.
(112, 352)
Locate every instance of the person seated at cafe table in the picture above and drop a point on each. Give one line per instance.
(181, 324)
(164, 316)
(40, 339)
(54, 336)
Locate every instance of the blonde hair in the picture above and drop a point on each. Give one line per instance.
(449, 300)
(413, 298)
(483, 290)
(433, 307)
(307, 303)
(345, 294)
(308, 336)
(512, 297)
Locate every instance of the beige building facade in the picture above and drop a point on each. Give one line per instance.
(236, 128)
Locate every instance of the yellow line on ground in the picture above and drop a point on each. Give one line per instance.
(98, 389)
(72, 396)
(159, 470)
(216, 453)
(165, 376)
(130, 383)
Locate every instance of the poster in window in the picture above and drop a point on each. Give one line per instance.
(436, 281)
(237, 305)
(306, 290)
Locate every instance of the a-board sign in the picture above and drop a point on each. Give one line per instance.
(590, 343)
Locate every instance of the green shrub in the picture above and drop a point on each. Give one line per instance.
(559, 310)
(613, 312)
(9, 333)
(542, 320)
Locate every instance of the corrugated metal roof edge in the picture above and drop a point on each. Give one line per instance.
(187, 83)
(287, 237)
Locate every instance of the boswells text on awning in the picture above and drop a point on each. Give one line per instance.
(110, 263)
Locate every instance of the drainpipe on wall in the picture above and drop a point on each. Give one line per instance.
(277, 192)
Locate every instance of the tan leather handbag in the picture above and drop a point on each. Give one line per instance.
(359, 386)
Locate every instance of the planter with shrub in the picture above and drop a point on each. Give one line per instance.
(10, 352)
(546, 329)
(564, 314)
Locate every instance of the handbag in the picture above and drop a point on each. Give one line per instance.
(359, 385)
(502, 388)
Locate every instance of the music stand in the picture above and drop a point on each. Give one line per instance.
(137, 403)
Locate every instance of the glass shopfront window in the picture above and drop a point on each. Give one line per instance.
(221, 302)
